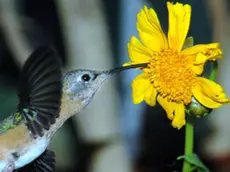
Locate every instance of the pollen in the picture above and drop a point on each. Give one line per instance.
(172, 76)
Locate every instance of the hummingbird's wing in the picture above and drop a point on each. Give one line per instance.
(44, 163)
(40, 90)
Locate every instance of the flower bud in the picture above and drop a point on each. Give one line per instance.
(197, 109)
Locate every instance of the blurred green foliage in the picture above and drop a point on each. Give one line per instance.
(8, 99)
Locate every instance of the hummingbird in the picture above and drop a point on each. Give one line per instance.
(46, 100)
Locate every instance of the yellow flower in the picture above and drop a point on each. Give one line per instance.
(172, 75)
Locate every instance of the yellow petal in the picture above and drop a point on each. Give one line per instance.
(198, 69)
(200, 54)
(179, 21)
(139, 86)
(137, 52)
(167, 106)
(198, 64)
(175, 111)
(209, 93)
(200, 59)
(129, 63)
(150, 30)
(212, 51)
(150, 96)
(179, 117)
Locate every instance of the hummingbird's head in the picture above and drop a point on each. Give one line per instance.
(81, 85)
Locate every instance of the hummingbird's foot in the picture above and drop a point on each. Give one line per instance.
(9, 168)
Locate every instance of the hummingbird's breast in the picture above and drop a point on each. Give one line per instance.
(18, 147)
(13, 140)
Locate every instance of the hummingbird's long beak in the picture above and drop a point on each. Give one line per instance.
(123, 68)
(104, 75)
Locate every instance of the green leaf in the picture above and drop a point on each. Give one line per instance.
(188, 42)
(214, 71)
(194, 160)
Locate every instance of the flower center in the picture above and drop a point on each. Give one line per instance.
(172, 76)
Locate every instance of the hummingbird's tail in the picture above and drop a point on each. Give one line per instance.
(39, 90)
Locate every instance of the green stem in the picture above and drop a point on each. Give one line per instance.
(189, 127)
(189, 141)
(214, 71)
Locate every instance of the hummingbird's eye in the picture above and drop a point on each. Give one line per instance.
(86, 77)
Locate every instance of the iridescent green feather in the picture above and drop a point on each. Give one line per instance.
(10, 122)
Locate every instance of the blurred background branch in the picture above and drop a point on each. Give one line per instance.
(12, 27)
(217, 146)
(88, 46)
